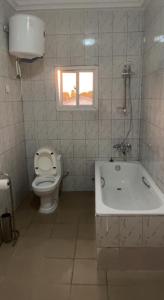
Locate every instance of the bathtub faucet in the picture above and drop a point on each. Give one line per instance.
(123, 148)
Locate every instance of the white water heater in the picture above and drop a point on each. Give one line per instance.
(26, 36)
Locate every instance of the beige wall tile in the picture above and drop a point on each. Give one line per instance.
(153, 231)
(152, 125)
(65, 46)
(107, 231)
(12, 147)
(130, 231)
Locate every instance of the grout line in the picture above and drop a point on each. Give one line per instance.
(107, 289)
(76, 238)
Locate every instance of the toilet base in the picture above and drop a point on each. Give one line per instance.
(48, 204)
(50, 210)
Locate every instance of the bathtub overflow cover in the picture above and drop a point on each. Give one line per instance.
(117, 168)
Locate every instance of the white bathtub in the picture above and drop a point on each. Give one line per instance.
(125, 188)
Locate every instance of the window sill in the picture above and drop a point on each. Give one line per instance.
(72, 108)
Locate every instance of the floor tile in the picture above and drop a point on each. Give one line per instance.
(133, 277)
(59, 248)
(83, 201)
(87, 292)
(85, 272)
(23, 219)
(67, 217)
(24, 268)
(86, 231)
(30, 203)
(56, 271)
(86, 249)
(108, 258)
(136, 292)
(39, 230)
(15, 289)
(30, 247)
(6, 253)
(42, 264)
(64, 231)
(48, 291)
(44, 219)
(86, 218)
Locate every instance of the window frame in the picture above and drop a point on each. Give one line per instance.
(77, 107)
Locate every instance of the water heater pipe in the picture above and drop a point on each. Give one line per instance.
(18, 69)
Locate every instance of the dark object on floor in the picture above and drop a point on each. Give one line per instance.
(6, 227)
(1, 238)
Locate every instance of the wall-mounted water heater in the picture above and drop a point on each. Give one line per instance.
(26, 36)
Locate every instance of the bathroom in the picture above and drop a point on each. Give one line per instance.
(60, 255)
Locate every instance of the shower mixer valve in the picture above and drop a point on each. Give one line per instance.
(123, 148)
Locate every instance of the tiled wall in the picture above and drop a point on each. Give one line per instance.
(130, 242)
(12, 147)
(152, 130)
(130, 231)
(82, 137)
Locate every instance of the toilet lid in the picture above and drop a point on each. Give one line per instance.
(45, 162)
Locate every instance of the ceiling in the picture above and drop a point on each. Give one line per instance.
(54, 4)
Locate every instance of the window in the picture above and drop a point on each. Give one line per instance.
(76, 88)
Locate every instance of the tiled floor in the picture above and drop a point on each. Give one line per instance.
(55, 258)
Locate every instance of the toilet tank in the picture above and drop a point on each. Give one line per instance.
(59, 163)
(26, 36)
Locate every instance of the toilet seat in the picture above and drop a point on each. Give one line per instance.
(45, 183)
(45, 162)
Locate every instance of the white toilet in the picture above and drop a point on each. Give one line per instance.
(48, 168)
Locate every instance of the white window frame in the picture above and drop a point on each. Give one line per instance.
(77, 107)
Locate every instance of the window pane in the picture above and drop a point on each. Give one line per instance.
(69, 88)
(86, 88)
